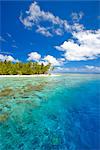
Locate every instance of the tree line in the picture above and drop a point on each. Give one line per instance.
(19, 68)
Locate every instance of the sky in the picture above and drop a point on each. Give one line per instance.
(64, 33)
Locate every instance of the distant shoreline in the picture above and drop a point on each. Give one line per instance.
(48, 75)
(36, 75)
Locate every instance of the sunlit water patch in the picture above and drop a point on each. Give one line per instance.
(50, 113)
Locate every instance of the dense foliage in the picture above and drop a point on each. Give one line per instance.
(9, 68)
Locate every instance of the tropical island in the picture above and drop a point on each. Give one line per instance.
(19, 68)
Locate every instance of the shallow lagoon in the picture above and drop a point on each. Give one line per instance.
(50, 113)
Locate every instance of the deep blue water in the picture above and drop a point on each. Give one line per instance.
(50, 113)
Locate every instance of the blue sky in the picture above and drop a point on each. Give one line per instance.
(64, 33)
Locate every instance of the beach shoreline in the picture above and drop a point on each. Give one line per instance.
(36, 75)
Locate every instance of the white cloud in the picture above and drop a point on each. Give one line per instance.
(89, 67)
(44, 31)
(2, 57)
(77, 16)
(43, 62)
(59, 48)
(34, 56)
(34, 16)
(77, 27)
(93, 68)
(58, 31)
(57, 26)
(54, 61)
(8, 58)
(5, 52)
(84, 45)
(84, 69)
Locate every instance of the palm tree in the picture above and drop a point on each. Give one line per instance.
(9, 68)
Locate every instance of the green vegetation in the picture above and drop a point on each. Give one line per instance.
(19, 68)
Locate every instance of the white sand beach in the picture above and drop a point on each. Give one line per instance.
(40, 75)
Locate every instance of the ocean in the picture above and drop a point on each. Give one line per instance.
(50, 113)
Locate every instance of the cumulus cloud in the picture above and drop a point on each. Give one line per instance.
(34, 16)
(84, 45)
(52, 60)
(77, 27)
(8, 58)
(34, 56)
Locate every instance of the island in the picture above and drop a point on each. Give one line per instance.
(19, 68)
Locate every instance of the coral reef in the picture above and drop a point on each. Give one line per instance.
(6, 92)
(4, 117)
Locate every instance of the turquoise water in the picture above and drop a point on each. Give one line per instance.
(50, 113)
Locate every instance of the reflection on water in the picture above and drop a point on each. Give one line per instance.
(51, 113)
